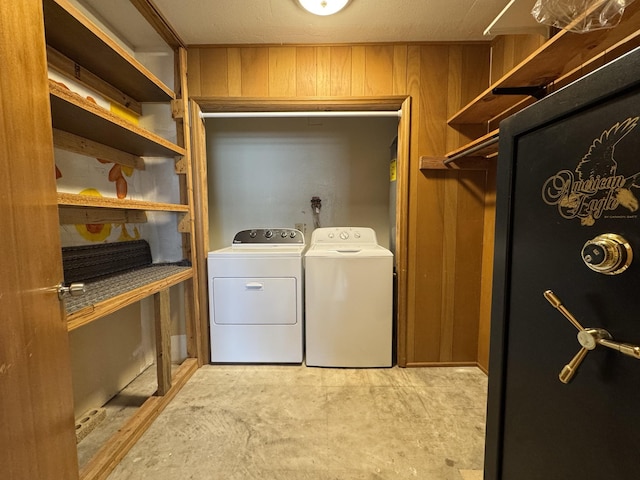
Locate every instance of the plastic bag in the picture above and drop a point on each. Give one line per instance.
(580, 15)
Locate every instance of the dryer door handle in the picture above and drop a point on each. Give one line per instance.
(254, 286)
(351, 250)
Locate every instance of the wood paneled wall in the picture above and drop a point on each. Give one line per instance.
(446, 209)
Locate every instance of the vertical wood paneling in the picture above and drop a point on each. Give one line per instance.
(429, 226)
(306, 82)
(234, 72)
(340, 71)
(399, 70)
(255, 71)
(323, 71)
(449, 251)
(282, 71)
(358, 57)
(378, 70)
(213, 72)
(193, 72)
(468, 258)
(444, 216)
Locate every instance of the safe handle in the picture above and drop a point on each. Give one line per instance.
(589, 339)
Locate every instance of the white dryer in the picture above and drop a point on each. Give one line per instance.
(255, 298)
(348, 299)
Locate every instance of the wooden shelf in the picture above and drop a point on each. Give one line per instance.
(475, 155)
(74, 114)
(122, 290)
(549, 62)
(75, 200)
(71, 33)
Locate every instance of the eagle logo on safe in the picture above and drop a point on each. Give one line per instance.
(595, 187)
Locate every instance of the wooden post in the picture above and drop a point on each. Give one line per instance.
(163, 340)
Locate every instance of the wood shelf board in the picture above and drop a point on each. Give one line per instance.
(127, 288)
(467, 163)
(72, 34)
(76, 200)
(478, 153)
(114, 450)
(547, 64)
(74, 114)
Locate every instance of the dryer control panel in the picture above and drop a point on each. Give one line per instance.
(280, 236)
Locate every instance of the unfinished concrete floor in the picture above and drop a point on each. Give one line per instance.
(298, 423)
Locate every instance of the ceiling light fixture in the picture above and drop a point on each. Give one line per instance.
(323, 7)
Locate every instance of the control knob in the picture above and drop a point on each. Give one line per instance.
(268, 234)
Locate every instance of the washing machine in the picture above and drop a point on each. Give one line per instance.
(348, 299)
(255, 297)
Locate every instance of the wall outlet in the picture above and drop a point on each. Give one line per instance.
(302, 227)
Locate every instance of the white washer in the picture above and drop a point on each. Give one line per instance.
(348, 299)
(255, 298)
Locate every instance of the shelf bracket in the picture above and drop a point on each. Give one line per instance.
(184, 224)
(536, 91)
(181, 165)
(177, 109)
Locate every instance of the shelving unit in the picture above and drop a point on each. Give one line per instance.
(548, 65)
(79, 50)
(562, 59)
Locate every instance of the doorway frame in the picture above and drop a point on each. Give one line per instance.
(401, 103)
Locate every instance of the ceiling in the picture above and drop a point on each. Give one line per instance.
(200, 22)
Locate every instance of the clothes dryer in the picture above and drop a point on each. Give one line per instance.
(255, 298)
(348, 299)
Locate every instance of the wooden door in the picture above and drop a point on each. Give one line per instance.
(37, 433)
(568, 176)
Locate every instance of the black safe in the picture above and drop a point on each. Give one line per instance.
(564, 372)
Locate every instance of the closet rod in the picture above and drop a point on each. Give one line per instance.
(334, 113)
(466, 153)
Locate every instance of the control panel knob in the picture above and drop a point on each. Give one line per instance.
(608, 253)
(253, 234)
(268, 234)
(293, 234)
(283, 234)
(344, 235)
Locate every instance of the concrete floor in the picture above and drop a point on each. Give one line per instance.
(298, 423)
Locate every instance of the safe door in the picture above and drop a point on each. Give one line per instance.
(564, 374)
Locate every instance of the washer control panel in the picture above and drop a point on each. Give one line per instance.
(360, 235)
(279, 236)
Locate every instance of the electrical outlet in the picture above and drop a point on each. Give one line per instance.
(302, 227)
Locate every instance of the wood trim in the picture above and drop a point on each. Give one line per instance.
(201, 209)
(114, 450)
(402, 228)
(74, 143)
(441, 364)
(296, 104)
(99, 310)
(162, 317)
(75, 200)
(157, 20)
